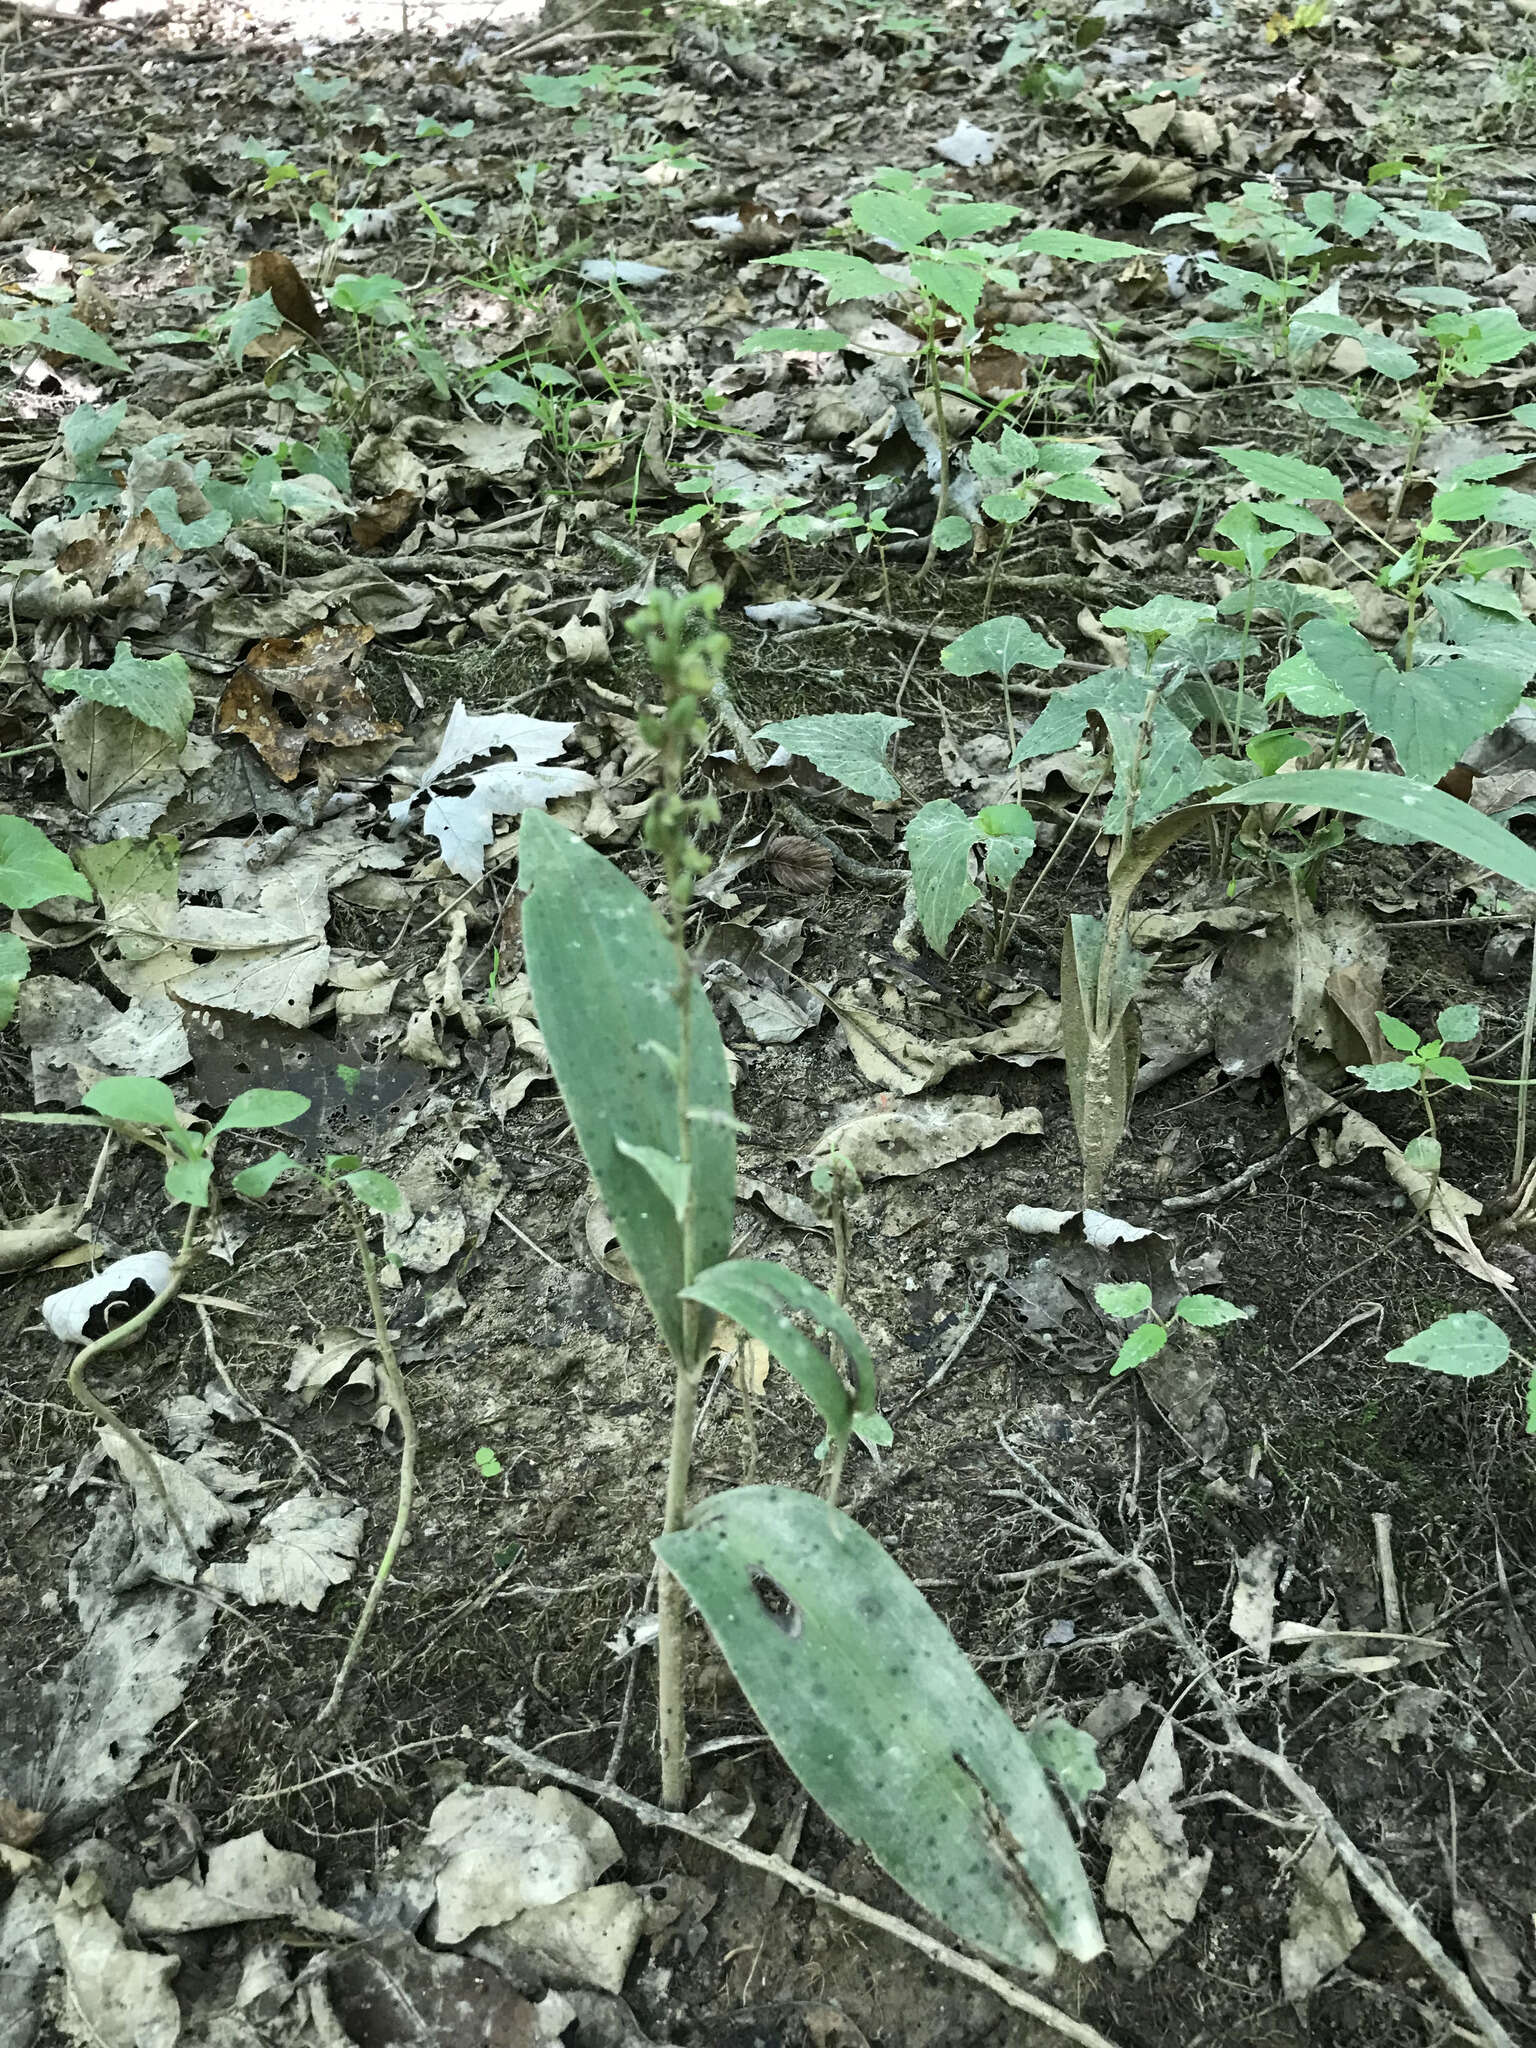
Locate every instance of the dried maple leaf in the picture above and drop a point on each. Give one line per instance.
(330, 706)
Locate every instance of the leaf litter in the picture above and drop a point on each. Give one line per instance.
(278, 595)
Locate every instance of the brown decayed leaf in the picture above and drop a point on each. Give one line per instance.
(271, 271)
(382, 518)
(315, 675)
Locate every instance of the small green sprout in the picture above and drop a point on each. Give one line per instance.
(1134, 1298)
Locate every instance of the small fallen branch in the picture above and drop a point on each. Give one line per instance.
(776, 1868)
(1377, 1884)
(399, 1400)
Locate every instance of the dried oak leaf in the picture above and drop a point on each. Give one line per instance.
(328, 706)
(382, 518)
(802, 866)
(271, 271)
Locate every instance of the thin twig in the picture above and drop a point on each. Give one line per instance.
(399, 1400)
(786, 1873)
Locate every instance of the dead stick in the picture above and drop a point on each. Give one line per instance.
(786, 1873)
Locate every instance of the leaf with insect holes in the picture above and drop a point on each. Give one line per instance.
(1467, 1346)
(849, 746)
(939, 840)
(1128, 1298)
(997, 647)
(33, 869)
(1143, 1343)
(1284, 476)
(157, 693)
(1209, 1311)
(874, 1707)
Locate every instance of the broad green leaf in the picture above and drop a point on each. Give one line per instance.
(262, 1109)
(1073, 247)
(255, 1182)
(1388, 1077)
(1173, 766)
(32, 868)
(762, 1296)
(157, 693)
(954, 279)
(187, 534)
(603, 972)
(1335, 409)
(374, 1190)
(1423, 1153)
(847, 745)
(670, 1175)
(1283, 476)
(894, 217)
(1159, 616)
(952, 532)
(188, 1181)
(1078, 490)
(250, 320)
(875, 1709)
(550, 91)
(309, 498)
(997, 647)
(1049, 339)
(134, 1099)
(1071, 1758)
(1009, 841)
(1209, 1311)
(1475, 622)
(1459, 1023)
(1128, 1298)
(1143, 1343)
(1443, 1066)
(1302, 683)
(939, 840)
(845, 276)
(67, 336)
(1431, 714)
(379, 298)
(1400, 1036)
(784, 339)
(1467, 1346)
(15, 962)
(960, 219)
(1415, 807)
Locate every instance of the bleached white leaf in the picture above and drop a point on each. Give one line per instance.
(67, 1312)
(1152, 1881)
(123, 1995)
(465, 825)
(199, 1491)
(247, 1880)
(966, 145)
(499, 1851)
(1323, 1924)
(312, 1544)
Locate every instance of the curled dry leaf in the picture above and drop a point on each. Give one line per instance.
(271, 271)
(316, 675)
(802, 866)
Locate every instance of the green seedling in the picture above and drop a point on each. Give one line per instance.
(1467, 1347)
(1423, 1061)
(855, 1678)
(487, 1464)
(1134, 1298)
(32, 870)
(941, 846)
